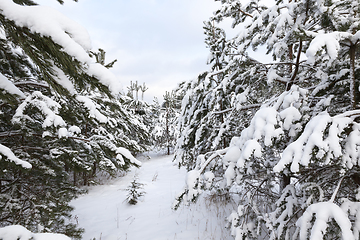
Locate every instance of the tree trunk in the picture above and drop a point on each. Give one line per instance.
(75, 178)
(297, 64)
(352, 76)
(94, 169)
(167, 132)
(85, 178)
(284, 181)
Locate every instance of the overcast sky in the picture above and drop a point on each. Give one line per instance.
(159, 42)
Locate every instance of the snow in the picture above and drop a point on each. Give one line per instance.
(331, 42)
(73, 130)
(300, 151)
(263, 124)
(11, 156)
(49, 22)
(16, 232)
(324, 211)
(48, 107)
(73, 38)
(9, 86)
(290, 115)
(352, 147)
(93, 111)
(191, 181)
(126, 153)
(63, 80)
(232, 154)
(63, 132)
(104, 214)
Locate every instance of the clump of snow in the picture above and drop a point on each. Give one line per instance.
(263, 125)
(324, 212)
(9, 86)
(242, 97)
(331, 41)
(47, 21)
(63, 80)
(191, 182)
(232, 155)
(352, 147)
(290, 115)
(63, 132)
(272, 76)
(73, 130)
(93, 111)
(300, 151)
(48, 107)
(11, 156)
(17, 232)
(126, 153)
(105, 75)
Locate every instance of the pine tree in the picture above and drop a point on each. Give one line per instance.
(134, 191)
(60, 119)
(165, 132)
(293, 168)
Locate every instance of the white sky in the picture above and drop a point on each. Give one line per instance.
(159, 42)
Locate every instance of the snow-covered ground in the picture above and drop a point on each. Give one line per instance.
(105, 215)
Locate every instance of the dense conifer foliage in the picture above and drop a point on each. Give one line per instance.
(281, 138)
(62, 120)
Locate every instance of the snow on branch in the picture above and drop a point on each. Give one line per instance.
(322, 132)
(9, 86)
(127, 154)
(93, 111)
(73, 38)
(331, 42)
(324, 212)
(11, 156)
(47, 21)
(46, 105)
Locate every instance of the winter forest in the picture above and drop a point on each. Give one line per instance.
(277, 144)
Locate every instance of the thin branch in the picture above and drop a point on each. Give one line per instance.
(239, 109)
(19, 133)
(336, 190)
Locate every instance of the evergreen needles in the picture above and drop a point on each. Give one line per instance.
(134, 191)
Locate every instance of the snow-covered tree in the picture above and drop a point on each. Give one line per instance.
(293, 169)
(132, 101)
(165, 130)
(61, 120)
(134, 191)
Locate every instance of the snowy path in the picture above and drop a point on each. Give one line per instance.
(104, 214)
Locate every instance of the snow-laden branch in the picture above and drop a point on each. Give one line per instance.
(323, 132)
(11, 156)
(329, 41)
(324, 212)
(93, 110)
(46, 105)
(9, 86)
(73, 38)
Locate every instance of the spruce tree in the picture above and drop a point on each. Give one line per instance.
(165, 132)
(134, 191)
(61, 119)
